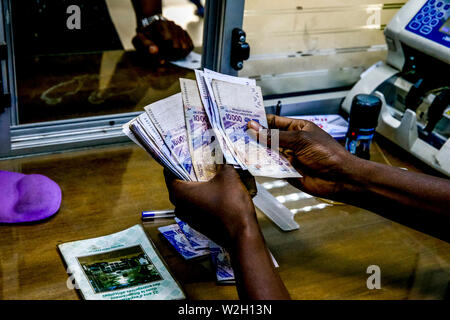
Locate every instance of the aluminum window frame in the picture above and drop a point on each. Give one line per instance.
(18, 140)
(7, 79)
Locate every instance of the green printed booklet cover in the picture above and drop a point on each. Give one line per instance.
(120, 266)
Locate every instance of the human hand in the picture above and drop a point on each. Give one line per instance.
(326, 166)
(223, 210)
(163, 40)
(220, 208)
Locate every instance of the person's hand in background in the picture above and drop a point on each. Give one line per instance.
(157, 38)
(163, 40)
(222, 209)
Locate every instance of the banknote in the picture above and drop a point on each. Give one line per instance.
(222, 262)
(126, 130)
(203, 91)
(220, 258)
(208, 106)
(195, 238)
(333, 124)
(165, 153)
(209, 76)
(237, 105)
(192, 131)
(153, 149)
(228, 78)
(201, 138)
(168, 117)
(178, 240)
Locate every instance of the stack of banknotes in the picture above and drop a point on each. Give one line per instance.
(206, 124)
(191, 244)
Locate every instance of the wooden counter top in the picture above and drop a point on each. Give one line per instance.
(104, 191)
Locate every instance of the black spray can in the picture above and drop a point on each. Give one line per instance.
(361, 124)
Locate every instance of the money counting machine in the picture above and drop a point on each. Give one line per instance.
(414, 82)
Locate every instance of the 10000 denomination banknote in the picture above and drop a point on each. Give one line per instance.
(168, 117)
(201, 138)
(237, 105)
(166, 155)
(209, 106)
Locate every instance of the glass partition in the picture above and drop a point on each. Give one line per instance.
(304, 45)
(64, 73)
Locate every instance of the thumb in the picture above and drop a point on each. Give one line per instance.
(226, 171)
(291, 139)
(178, 189)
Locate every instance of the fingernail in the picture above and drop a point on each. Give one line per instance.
(254, 125)
(153, 49)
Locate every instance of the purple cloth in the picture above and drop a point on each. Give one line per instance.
(26, 198)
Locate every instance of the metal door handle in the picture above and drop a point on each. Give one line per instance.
(240, 50)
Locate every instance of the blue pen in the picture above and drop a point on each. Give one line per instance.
(155, 214)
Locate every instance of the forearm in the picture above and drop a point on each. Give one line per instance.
(256, 277)
(417, 200)
(146, 8)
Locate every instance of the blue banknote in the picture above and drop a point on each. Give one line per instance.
(179, 241)
(195, 238)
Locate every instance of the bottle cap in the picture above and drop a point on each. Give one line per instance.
(365, 111)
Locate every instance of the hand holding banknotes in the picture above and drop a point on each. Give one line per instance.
(328, 170)
(222, 209)
(191, 132)
(324, 164)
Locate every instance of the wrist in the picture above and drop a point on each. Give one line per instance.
(248, 238)
(145, 9)
(245, 231)
(356, 172)
(149, 20)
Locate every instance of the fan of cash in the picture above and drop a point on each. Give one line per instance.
(206, 124)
